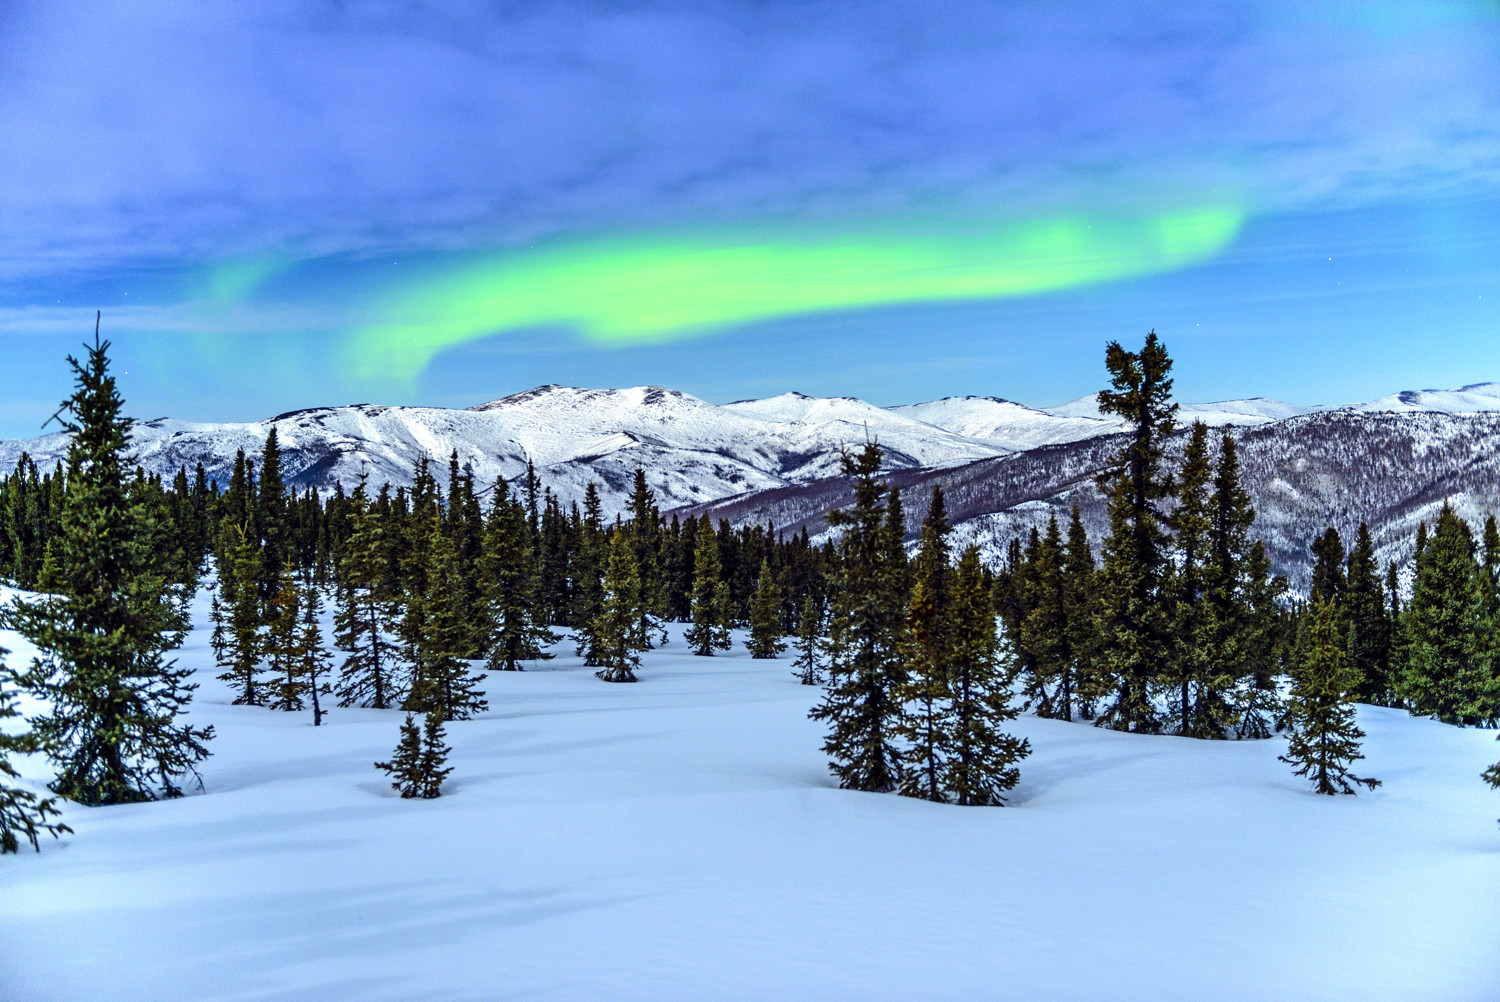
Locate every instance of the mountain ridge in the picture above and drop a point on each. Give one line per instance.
(776, 458)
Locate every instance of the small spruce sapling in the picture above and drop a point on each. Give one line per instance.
(1324, 739)
(405, 766)
(217, 642)
(417, 767)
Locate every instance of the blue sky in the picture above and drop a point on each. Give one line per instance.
(249, 194)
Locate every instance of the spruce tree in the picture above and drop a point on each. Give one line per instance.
(765, 617)
(113, 725)
(1324, 739)
(442, 682)
(1258, 708)
(417, 767)
(710, 628)
(615, 637)
(517, 633)
(983, 764)
(1447, 674)
(242, 654)
(895, 541)
(1328, 567)
(1191, 523)
(1082, 633)
(1041, 650)
(270, 521)
(23, 815)
(1369, 639)
(310, 657)
(218, 643)
(927, 650)
(236, 510)
(645, 539)
(1133, 614)
(588, 573)
(281, 642)
(807, 666)
(1225, 640)
(864, 662)
(366, 614)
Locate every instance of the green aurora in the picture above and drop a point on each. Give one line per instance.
(660, 287)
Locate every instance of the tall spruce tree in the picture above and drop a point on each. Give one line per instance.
(1225, 639)
(281, 642)
(765, 640)
(895, 541)
(645, 540)
(864, 660)
(366, 615)
(1042, 649)
(1133, 614)
(1079, 606)
(1369, 638)
(442, 682)
(110, 614)
(588, 575)
(615, 637)
(710, 627)
(517, 633)
(983, 763)
(1258, 709)
(1328, 567)
(1324, 739)
(927, 651)
(246, 639)
(1191, 524)
(1447, 674)
(271, 518)
(23, 815)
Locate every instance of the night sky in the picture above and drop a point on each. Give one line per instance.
(327, 203)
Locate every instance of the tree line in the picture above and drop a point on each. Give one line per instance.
(1176, 625)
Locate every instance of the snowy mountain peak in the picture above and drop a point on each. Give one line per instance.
(1471, 399)
(692, 451)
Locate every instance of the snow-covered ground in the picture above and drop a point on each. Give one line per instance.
(680, 839)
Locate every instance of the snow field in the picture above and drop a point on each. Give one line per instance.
(680, 839)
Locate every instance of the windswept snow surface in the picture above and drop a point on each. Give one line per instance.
(680, 839)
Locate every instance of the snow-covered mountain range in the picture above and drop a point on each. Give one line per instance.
(776, 459)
